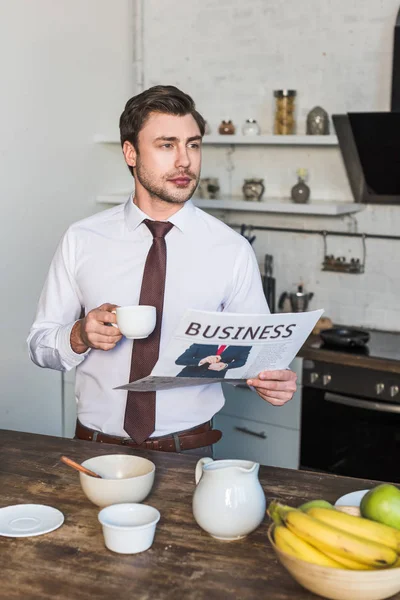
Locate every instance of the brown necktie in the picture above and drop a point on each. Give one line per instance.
(140, 413)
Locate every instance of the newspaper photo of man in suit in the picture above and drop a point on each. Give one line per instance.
(211, 360)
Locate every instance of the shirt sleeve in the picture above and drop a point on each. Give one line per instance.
(247, 294)
(58, 309)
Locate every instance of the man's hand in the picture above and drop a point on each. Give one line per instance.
(92, 331)
(209, 359)
(219, 366)
(276, 387)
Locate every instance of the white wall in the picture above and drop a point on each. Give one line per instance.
(230, 55)
(66, 72)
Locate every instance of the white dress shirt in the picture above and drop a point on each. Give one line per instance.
(101, 259)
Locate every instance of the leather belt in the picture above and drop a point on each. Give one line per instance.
(198, 437)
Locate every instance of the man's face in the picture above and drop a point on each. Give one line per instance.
(168, 160)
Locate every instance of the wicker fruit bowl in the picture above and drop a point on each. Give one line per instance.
(339, 584)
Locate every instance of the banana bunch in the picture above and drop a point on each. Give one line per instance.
(322, 535)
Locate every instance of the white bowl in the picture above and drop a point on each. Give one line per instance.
(126, 478)
(352, 499)
(129, 528)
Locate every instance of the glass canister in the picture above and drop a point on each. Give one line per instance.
(285, 105)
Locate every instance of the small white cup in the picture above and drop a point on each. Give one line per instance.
(135, 322)
(129, 528)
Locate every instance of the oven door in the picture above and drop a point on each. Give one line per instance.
(350, 436)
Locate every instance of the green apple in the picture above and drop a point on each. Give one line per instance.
(315, 504)
(382, 504)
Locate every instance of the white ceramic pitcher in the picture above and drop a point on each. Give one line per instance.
(229, 501)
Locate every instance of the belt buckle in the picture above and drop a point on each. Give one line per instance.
(126, 441)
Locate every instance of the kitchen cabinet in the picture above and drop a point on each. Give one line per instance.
(260, 442)
(256, 430)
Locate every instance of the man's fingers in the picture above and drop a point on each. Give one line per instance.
(107, 331)
(273, 386)
(274, 401)
(108, 307)
(282, 375)
(101, 341)
(285, 395)
(104, 316)
(96, 328)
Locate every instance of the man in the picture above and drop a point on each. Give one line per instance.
(211, 360)
(157, 249)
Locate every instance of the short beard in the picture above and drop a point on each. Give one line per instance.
(157, 191)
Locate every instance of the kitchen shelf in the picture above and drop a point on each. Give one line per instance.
(255, 140)
(270, 140)
(281, 205)
(273, 205)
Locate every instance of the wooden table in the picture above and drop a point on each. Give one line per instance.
(183, 563)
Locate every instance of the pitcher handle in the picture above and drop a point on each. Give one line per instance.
(199, 467)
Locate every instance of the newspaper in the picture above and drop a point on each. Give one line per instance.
(211, 347)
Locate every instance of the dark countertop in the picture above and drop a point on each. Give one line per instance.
(311, 350)
(73, 563)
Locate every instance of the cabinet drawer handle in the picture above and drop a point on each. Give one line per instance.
(250, 432)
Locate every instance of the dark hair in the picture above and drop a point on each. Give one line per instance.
(162, 99)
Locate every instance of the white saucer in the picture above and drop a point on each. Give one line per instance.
(25, 520)
(352, 499)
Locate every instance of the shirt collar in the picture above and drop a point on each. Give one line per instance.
(181, 219)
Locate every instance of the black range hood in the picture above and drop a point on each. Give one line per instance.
(370, 144)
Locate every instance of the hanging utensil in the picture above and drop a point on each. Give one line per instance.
(269, 282)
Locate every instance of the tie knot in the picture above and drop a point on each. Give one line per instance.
(159, 229)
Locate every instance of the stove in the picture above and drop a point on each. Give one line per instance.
(350, 423)
(383, 345)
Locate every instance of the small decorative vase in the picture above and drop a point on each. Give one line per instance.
(253, 189)
(209, 188)
(251, 127)
(317, 122)
(300, 191)
(226, 128)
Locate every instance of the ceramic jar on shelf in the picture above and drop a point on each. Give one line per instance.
(317, 122)
(253, 189)
(209, 188)
(226, 128)
(251, 127)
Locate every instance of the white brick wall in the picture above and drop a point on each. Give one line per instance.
(230, 55)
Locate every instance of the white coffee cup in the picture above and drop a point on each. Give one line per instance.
(135, 322)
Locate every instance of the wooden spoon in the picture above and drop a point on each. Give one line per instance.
(78, 467)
